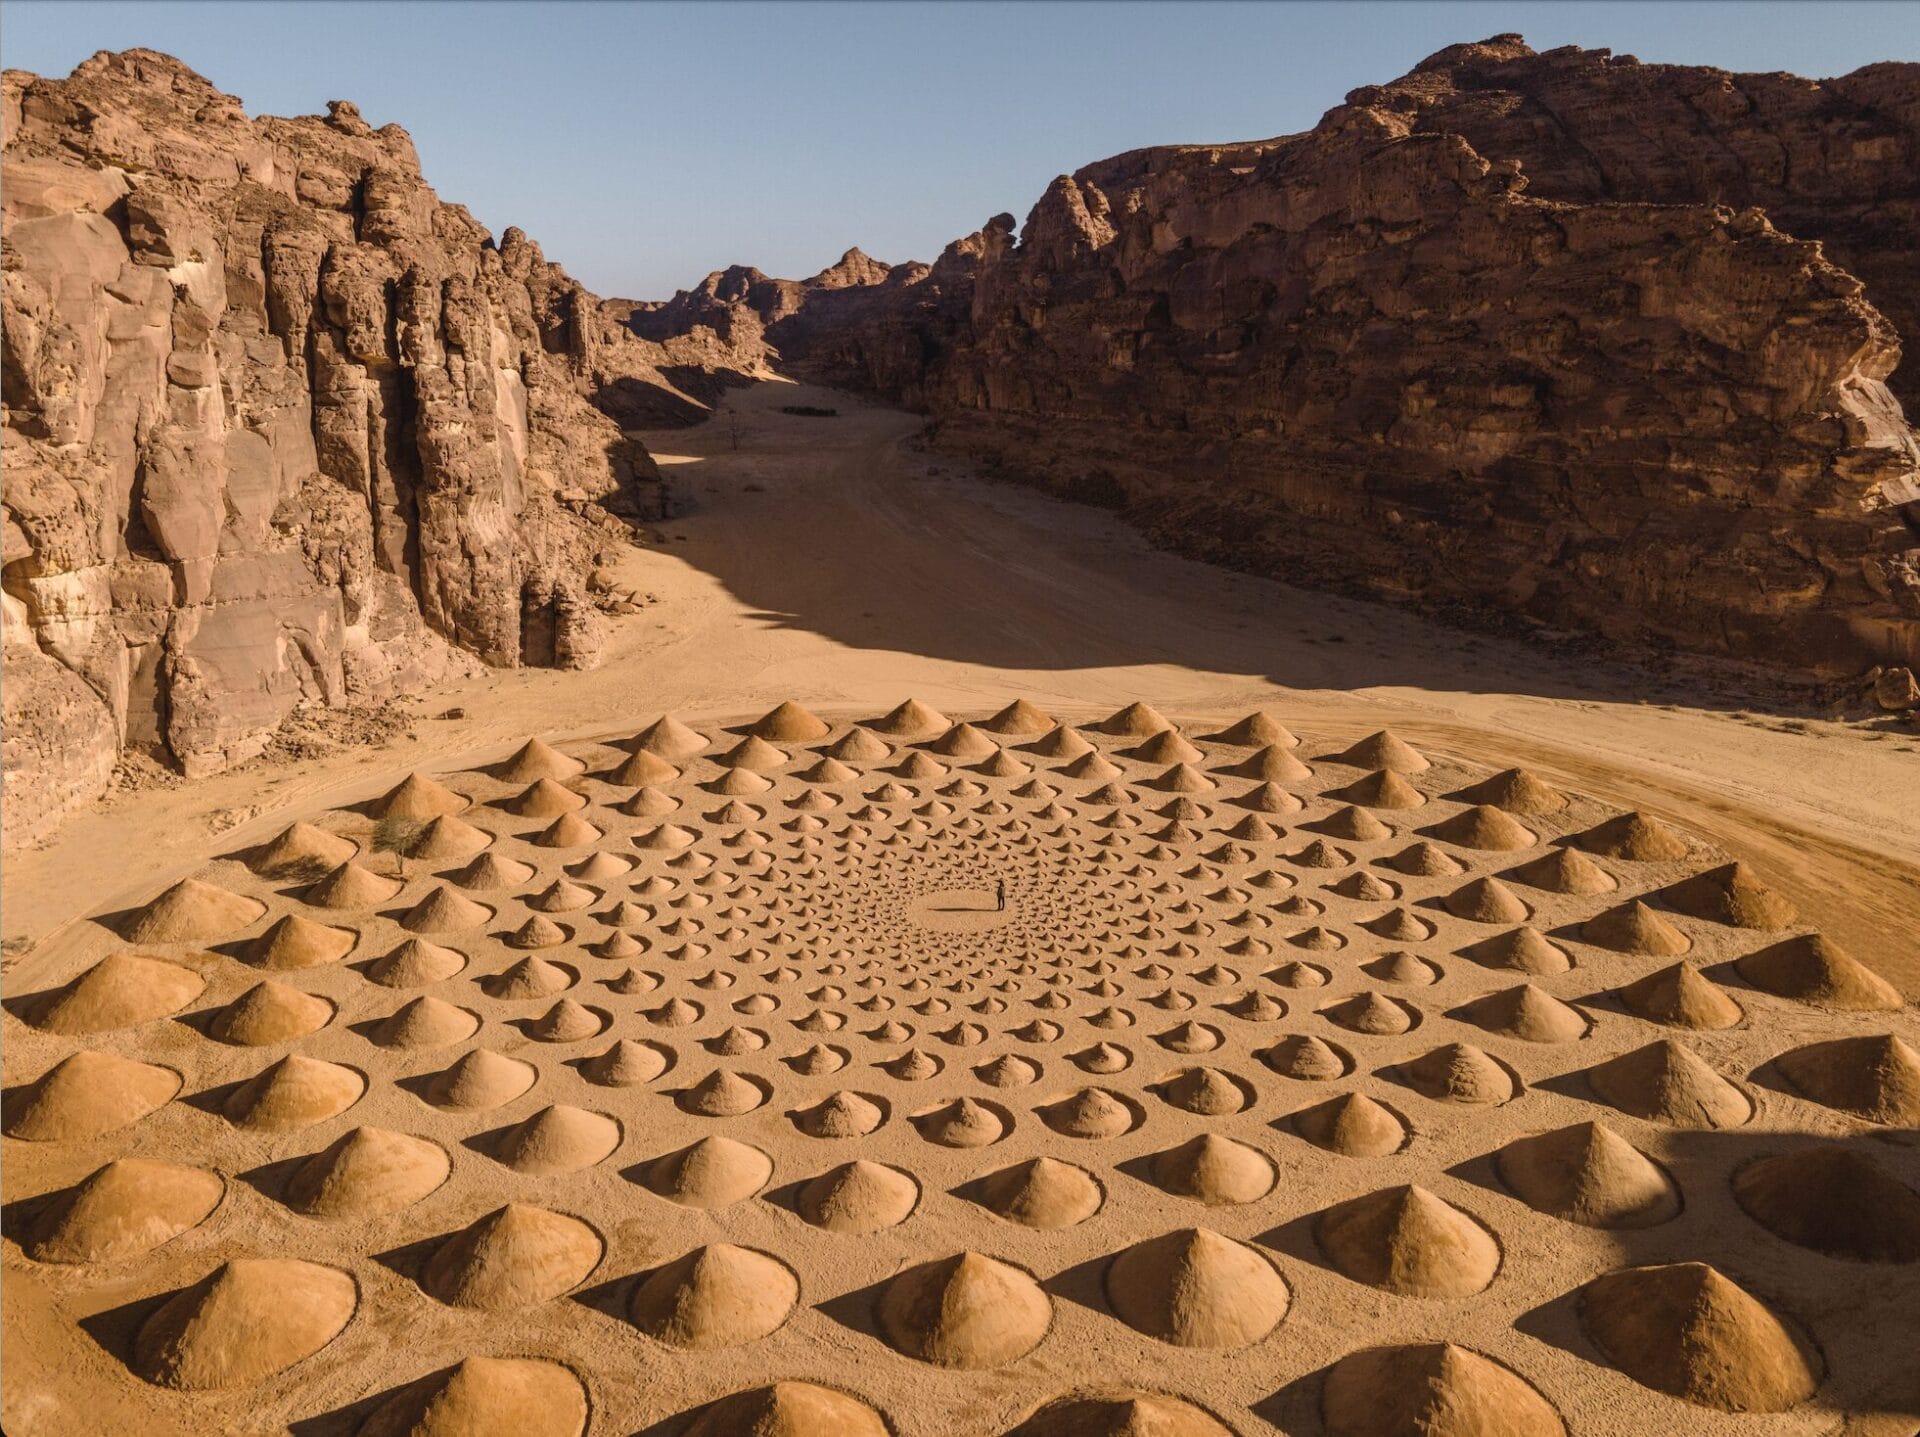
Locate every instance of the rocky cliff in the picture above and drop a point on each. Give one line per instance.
(280, 425)
(1605, 344)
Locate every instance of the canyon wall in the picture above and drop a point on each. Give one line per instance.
(280, 426)
(1602, 344)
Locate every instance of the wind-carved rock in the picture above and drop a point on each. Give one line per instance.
(1605, 344)
(281, 426)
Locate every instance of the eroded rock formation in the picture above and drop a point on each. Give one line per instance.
(280, 425)
(1601, 343)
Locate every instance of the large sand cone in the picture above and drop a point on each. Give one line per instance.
(1432, 1390)
(270, 1013)
(1061, 742)
(961, 1123)
(1091, 1113)
(1214, 1170)
(1519, 950)
(535, 760)
(1352, 1125)
(119, 991)
(641, 770)
(840, 1115)
(1666, 1083)
(1195, 1288)
(1425, 860)
(491, 872)
(1166, 747)
(723, 1093)
(1487, 900)
(1812, 968)
(715, 1296)
(1273, 765)
(669, 738)
(1634, 928)
(1527, 1013)
(858, 746)
(544, 798)
(192, 912)
(1019, 718)
(301, 851)
(486, 1397)
(528, 979)
(789, 1409)
(426, 1022)
(566, 1022)
(569, 830)
(295, 1092)
(627, 1063)
(365, 1173)
(1383, 788)
(245, 1321)
(1636, 837)
(1460, 1073)
(294, 943)
(965, 1311)
(1307, 1058)
(1731, 894)
(1258, 729)
(1681, 998)
(1517, 790)
(912, 719)
(1384, 749)
(480, 1081)
(558, 1139)
(1042, 1193)
(1121, 1413)
(712, 1173)
(513, 1258)
(1875, 1076)
(416, 798)
(1564, 870)
(1349, 822)
(448, 840)
(85, 1095)
(1408, 1241)
(858, 1197)
(1689, 1331)
(443, 911)
(1484, 827)
(125, 1210)
(1371, 1014)
(789, 723)
(1588, 1174)
(1136, 720)
(1836, 1200)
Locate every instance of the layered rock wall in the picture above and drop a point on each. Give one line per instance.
(1518, 332)
(280, 425)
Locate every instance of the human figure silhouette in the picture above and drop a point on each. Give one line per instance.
(1000, 896)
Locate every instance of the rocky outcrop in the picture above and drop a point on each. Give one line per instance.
(1603, 344)
(280, 425)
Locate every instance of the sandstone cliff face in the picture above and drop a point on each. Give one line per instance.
(279, 426)
(1522, 332)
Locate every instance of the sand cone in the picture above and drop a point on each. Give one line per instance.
(301, 851)
(367, 1173)
(245, 1321)
(1354, 1126)
(1259, 729)
(1194, 1288)
(1733, 895)
(416, 798)
(858, 1197)
(1527, 1013)
(1664, 1082)
(1214, 1170)
(1382, 750)
(192, 912)
(1460, 1073)
(1814, 969)
(712, 1173)
(714, 1297)
(295, 942)
(669, 739)
(1835, 1200)
(1681, 998)
(270, 1013)
(526, 1397)
(1590, 1175)
(558, 1139)
(85, 1095)
(1409, 1242)
(480, 1081)
(1876, 1077)
(1433, 1390)
(789, 1409)
(119, 991)
(513, 1258)
(123, 1211)
(966, 1311)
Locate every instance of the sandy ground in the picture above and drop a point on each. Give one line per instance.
(825, 562)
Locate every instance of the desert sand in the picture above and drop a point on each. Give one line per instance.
(1388, 1030)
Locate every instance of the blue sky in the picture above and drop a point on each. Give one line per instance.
(646, 144)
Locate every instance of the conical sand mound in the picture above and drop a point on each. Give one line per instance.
(271, 1013)
(1383, 788)
(1520, 950)
(126, 1209)
(641, 770)
(1382, 750)
(367, 1172)
(789, 1409)
(244, 1322)
(415, 963)
(1425, 860)
(491, 872)
(1460, 1073)
(558, 1139)
(351, 886)
(1272, 764)
(1733, 895)
(1516, 790)
(1166, 747)
(1214, 1170)
(1635, 928)
(669, 738)
(1308, 1058)
(723, 1094)
(1435, 1390)
(444, 911)
(512, 1258)
(626, 1063)
(1136, 720)
(841, 1115)
(1528, 1013)
(1813, 969)
(119, 991)
(536, 760)
(1636, 837)
(295, 1092)
(1832, 1199)
(486, 1397)
(1121, 1413)
(714, 1172)
(1258, 729)
(192, 912)
(1689, 1331)
(295, 942)
(1490, 829)
(301, 851)
(1564, 870)
(1044, 1193)
(416, 798)
(480, 1081)
(85, 1095)
(962, 1123)
(1194, 1288)
(912, 719)
(965, 1311)
(1487, 900)
(1876, 1077)
(1353, 1125)
(1409, 1242)
(858, 746)
(1017, 719)
(1681, 998)
(789, 723)
(448, 840)
(858, 1197)
(426, 1023)
(1091, 1113)
(544, 798)
(1590, 1175)
(715, 1296)
(1666, 1083)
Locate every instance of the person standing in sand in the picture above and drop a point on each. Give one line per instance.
(1000, 896)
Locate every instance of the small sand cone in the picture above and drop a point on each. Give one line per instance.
(1019, 718)
(295, 942)
(1258, 729)
(1353, 1125)
(1487, 900)
(1486, 828)
(1214, 1170)
(858, 1197)
(789, 723)
(301, 851)
(416, 798)
(270, 1013)
(558, 1139)
(1409, 1242)
(1516, 790)
(1043, 1193)
(1383, 788)
(1635, 928)
(967, 1311)
(1564, 870)
(1195, 1288)
(1461, 1073)
(797, 1408)
(714, 1297)
(669, 738)
(1527, 1013)
(1590, 1175)
(712, 1173)
(481, 1081)
(536, 760)
(367, 1173)
(1136, 720)
(514, 1258)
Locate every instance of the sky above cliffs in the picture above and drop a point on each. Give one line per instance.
(646, 144)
